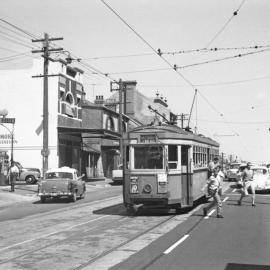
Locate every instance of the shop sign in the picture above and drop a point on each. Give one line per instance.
(6, 139)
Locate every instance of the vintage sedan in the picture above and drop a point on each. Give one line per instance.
(261, 178)
(61, 182)
(232, 171)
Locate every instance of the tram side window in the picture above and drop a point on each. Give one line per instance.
(200, 156)
(172, 156)
(148, 157)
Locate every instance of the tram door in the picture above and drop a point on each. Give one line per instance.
(186, 178)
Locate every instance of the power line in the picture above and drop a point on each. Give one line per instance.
(235, 13)
(215, 49)
(19, 28)
(192, 65)
(209, 84)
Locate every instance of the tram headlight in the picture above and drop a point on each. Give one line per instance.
(134, 184)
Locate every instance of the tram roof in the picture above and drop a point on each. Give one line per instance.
(166, 131)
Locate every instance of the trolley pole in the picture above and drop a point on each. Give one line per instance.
(46, 55)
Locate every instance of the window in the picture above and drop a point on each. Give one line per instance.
(172, 156)
(148, 157)
(110, 124)
(200, 156)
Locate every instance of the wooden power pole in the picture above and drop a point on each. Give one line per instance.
(46, 55)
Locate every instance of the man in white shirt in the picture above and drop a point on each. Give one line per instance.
(215, 191)
(13, 174)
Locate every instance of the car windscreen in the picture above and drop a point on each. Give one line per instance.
(58, 175)
(259, 171)
(148, 157)
(234, 166)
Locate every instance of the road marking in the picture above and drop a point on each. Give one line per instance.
(234, 190)
(225, 199)
(209, 214)
(167, 251)
(49, 234)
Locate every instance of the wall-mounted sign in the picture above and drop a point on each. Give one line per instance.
(6, 139)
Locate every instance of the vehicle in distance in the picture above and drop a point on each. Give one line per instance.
(261, 178)
(61, 182)
(232, 171)
(29, 175)
(117, 175)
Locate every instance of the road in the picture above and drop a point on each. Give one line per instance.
(240, 241)
(93, 193)
(97, 233)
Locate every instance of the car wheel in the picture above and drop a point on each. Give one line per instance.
(82, 196)
(42, 199)
(74, 196)
(30, 179)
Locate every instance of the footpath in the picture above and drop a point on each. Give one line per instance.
(28, 193)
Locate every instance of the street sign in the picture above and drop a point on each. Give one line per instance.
(5, 120)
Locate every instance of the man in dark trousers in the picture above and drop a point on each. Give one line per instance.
(13, 174)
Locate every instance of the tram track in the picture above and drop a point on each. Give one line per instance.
(53, 243)
(121, 245)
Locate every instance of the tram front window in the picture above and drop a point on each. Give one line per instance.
(148, 157)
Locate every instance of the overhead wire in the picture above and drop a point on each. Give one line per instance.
(165, 60)
(235, 13)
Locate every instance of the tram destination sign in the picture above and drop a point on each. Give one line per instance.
(148, 138)
(5, 120)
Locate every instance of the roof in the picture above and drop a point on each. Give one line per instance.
(62, 169)
(166, 131)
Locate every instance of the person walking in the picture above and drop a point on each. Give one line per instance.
(247, 179)
(212, 165)
(215, 189)
(13, 174)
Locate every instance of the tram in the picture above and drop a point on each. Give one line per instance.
(165, 166)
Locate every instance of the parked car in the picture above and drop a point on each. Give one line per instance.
(261, 178)
(117, 175)
(29, 175)
(62, 182)
(233, 170)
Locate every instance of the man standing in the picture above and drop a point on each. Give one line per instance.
(212, 165)
(13, 174)
(214, 190)
(247, 178)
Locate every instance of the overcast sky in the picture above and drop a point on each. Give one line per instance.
(232, 104)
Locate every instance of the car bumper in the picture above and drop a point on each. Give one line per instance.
(54, 194)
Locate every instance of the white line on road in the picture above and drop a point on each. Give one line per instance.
(167, 251)
(225, 199)
(46, 235)
(234, 190)
(210, 213)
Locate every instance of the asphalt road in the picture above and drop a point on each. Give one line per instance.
(27, 208)
(240, 241)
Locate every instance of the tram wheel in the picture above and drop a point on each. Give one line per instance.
(131, 209)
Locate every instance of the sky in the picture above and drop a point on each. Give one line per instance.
(232, 101)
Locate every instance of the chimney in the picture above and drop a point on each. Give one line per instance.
(99, 100)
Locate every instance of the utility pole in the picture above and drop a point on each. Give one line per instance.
(183, 117)
(46, 55)
(120, 88)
